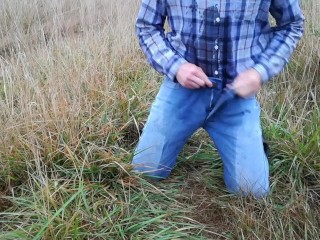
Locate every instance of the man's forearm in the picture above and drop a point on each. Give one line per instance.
(150, 32)
(286, 35)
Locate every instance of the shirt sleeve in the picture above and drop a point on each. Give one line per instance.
(151, 35)
(286, 34)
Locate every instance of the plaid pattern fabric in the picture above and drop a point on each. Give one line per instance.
(223, 37)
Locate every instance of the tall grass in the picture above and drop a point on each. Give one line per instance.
(74, 93)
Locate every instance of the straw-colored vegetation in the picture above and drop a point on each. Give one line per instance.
(74, 94)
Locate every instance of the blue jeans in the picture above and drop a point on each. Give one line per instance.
(178, 112)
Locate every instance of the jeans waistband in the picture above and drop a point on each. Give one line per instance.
(217, 83)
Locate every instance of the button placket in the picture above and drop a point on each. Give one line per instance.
(216, 48)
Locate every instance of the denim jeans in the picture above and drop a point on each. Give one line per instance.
(235, 129)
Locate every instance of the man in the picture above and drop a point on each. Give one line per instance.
(214, 48)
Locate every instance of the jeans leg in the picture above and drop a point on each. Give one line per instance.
(236, 132)
(175, 115)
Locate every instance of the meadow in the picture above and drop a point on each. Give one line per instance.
(75, 91)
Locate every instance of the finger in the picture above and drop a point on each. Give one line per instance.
(192, 85)
(243, 92)
(197, 80)
(239, 90)
(236, 86)
(200, 74)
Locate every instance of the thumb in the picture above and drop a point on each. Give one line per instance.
(204, 77)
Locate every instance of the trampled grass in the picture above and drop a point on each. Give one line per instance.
(74, 94)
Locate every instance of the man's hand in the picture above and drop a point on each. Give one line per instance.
(247, 83)
(192, 77)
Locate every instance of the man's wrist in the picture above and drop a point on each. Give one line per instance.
(264, 76)
(174, 67)
(259, 76)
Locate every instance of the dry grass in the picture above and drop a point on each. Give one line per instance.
(74, 93)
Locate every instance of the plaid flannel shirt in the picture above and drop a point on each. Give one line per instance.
(223, 37)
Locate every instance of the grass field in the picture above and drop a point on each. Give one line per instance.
(75, 91)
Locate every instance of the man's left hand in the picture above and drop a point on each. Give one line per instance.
(247, 83)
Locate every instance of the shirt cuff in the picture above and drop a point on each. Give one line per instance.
(173, 66)
(263, 72)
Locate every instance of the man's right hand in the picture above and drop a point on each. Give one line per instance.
(192, 77)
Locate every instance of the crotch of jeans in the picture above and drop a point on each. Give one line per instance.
(215, 91)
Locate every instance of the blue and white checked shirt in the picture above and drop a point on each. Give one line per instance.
(223, 37)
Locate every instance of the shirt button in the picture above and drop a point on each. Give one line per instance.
(216, 47)
(217, 19)
(216, 73)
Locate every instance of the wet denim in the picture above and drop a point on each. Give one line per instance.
(178, 112)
